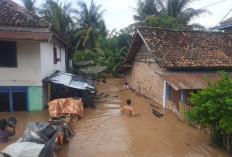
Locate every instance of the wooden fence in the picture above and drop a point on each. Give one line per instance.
(183, 107)
(227, 140)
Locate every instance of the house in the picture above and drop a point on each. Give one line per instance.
(166, 64)
(30, 50)
(225, 25)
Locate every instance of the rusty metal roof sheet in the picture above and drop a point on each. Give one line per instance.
(189, 80)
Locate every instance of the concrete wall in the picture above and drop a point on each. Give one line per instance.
(143, 76)
(35, 61)
(27, 72)
(35, 98)
(47, 59)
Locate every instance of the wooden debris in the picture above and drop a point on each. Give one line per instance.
(156, 113)
(154, 106)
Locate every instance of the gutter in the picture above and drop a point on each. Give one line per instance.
(219, 27)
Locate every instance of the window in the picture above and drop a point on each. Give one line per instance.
(8, 57)
(55, 55)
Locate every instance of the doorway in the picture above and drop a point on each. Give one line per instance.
(14, 99)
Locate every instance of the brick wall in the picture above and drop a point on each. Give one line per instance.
(174, 98)
(142, 78)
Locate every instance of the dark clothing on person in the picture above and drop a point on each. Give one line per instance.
(4, 134)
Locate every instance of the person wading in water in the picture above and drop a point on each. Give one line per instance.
(5, 133)
(128, 110)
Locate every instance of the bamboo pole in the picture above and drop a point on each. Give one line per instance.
(49, 91)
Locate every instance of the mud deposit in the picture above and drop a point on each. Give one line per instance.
(104, 132)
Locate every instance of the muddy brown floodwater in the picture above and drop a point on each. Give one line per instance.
(104, 132)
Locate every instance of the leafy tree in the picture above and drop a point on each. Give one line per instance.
(162, 21)
(29, 5)
(213, 106)
(83, 55)
(58, 14)
(113, 50)
(89, 26)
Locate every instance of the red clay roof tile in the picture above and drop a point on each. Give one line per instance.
(14, 15)
(185, 49)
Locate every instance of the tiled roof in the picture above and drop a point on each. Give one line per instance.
(185, 49)
(17, 23)
(226, 22)
(12, 14)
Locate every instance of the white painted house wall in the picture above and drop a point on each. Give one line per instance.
(47, 59)
(35, 61)
(27, 72)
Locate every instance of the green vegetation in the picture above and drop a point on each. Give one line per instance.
(112, 50)
(213, 106)
(58, 14)
(176, 9)
(162, 21)
(29, 5)
(89, 36)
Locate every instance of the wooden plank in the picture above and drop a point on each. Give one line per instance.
(49, 92)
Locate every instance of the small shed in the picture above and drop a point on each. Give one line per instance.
(64, 85)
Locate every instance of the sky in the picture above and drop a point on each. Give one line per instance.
(119, 13)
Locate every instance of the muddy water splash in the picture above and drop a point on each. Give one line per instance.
(104, 132)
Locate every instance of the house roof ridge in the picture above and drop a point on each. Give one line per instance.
(183, 30)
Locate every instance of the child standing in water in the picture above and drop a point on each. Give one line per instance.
(128, 110)
(5, 133)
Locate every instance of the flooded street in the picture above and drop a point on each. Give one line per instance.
(105, 132)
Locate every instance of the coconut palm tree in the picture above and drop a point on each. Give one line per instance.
(180, 11)
(90, 25)
(145, 8)
(177, 9)
(58, 14)
(29, 5)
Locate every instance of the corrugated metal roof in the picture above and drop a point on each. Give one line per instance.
(189, 80)
(82, 63)
(24, 36)
(93, 69)
(72, 81)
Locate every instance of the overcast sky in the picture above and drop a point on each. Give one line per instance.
(119, 13)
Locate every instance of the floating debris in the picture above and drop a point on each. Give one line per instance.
(156, 113)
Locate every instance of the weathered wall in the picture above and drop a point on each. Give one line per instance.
(47, 59)
(147, 82)
(174, 96)
(143, 76)
(35, 98)
(173, 102)
(128, 77)
(27, 72)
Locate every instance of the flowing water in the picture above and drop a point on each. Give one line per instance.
(104, 132)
